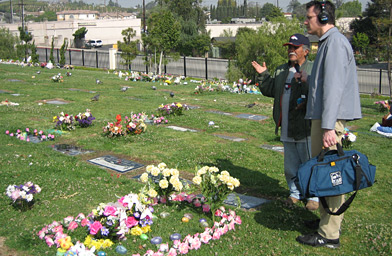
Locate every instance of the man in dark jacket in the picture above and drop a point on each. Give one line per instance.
(290, 97)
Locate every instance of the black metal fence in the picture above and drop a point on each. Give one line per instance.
(370, 80)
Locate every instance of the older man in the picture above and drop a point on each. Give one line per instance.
(290, 96)
(333, 99)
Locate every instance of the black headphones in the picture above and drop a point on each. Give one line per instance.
(323, 16)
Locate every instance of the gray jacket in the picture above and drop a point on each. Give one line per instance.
(333, 85)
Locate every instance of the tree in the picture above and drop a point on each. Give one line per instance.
(34, 55)
(7, 44)
(51, 56)
(293, 5)
(268, 9)
(25, 38)
(128, 46)
(275, 13)
(349, 9)
(360, 42)
(265, 45)
(79, 36)
(163, 35)
(63, 50)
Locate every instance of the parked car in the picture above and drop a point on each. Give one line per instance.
(94, 43)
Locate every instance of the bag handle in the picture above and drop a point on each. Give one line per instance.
(358, 177)
(326, 151)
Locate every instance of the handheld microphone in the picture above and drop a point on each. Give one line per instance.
(296, 66)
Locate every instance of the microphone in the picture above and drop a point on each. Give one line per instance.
(296, 66)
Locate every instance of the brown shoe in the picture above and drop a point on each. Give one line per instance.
(312, 205)
(291, 200)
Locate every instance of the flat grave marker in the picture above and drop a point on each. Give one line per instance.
(229, 138)
(219, 112)
(181, 129)
(116, 164)
(70, 150)
(252, 117)
(56, 102)
(247, 202)
(274, 148)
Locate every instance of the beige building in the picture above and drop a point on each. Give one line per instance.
(77, 15)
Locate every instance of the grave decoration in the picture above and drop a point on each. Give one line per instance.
(58, 78)
(383, 105)
(22, 196)
(64, 122)
(172, 109)
(215, 185)
(85, 119)
(8, 103)
(27, 135)
(133, 125)
(161, 182)
(348, 138)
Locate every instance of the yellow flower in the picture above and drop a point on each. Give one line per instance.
(224, 178)
(87, 241)
(203, 170)
(174, 172)
(95, 212)
(213, 169)
(107, 243)
(173, 179)
(162, 166)
(144, 177)
(136, 231)
(155, 171)
(225, 173)
(197, 180)
(146, 229)
(152, 193)
(166, 172)
(179, 105)
(149, 168)
(236, 182)
(55, 119)
(178, 186)
(65, 243)
(163, 183)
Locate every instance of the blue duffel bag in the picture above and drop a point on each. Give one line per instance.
(335, 172)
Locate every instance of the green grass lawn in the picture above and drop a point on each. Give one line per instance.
(71, 185)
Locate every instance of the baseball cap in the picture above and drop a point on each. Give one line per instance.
(298, 40)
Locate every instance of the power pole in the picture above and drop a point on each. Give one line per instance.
(12, 13)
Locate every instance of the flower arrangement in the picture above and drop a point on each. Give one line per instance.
(159, 119)
(135, 124)
(161, 181)
(114, 129)
(131, 214)
(58, 78)
(215, 185)
(383, 105)
(22, 196)
(348, 138)
(26, 135)
(172, 109)
(64, 122)
(85, 119)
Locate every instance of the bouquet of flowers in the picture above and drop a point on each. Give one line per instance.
(161, 181)
(159, 120)
(131, 214)
(114, 129)
(64, 122)
(58, 78)
(85, 119)
(172, 109)
(135, 124)
(383, 105)
(22, 196)
(215, 185)
(348, 138)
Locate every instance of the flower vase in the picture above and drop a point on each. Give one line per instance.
(23, 205)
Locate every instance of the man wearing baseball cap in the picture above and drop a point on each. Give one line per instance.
(290, 97)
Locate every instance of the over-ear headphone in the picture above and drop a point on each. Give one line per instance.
(323, 16)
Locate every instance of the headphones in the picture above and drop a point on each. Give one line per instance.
(323, 16)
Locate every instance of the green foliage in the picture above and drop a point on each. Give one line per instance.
(128, 46)
(360, 42)
(349, 9)
(80, 33)
(34, 55)
(51, 56)
(63, 50)
(7, 44)
(265, 45)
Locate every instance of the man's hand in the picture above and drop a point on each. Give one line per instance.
(329, 138)
(259, 69)
(303, 76)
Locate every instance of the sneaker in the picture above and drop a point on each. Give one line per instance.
(316, 240)
(312, 224)
(312, 205)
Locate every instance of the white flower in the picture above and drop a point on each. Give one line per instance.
(149, 168)
(351, 137)
(163, 183)
(213, 169)
(166, 172)
(155, 171)
(162, 166)
(144, 177)
(197, 180)
(174, 172)
(29, 197)
(152, 193)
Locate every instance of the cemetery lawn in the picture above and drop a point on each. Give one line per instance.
(70, 185)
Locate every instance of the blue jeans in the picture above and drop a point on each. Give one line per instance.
(295, 153)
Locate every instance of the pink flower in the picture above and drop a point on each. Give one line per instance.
(121, 201)
(43, 137)
(110, 211)
(58, 229)
(42, 232)
(183, 248)
(18, 131)
(49, 241)
(172, 252)
(27, 139)
(95, 227)
(190, 198)
(195, 244)
(238, 220)
(7, 132)
(216, 235)
(84, 222)
(218, 212)
(197, 203)
(41, 132)
(131, 222)
(164, 247)
(27, 129)
(80, 217)
(231, 225)
(205, 237)
(206, 208)
(136, 254)
(73, 225)
(11, 134)
(35, 130)
(163, 200)
(157, 254)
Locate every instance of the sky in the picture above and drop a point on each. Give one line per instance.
(282, 3)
